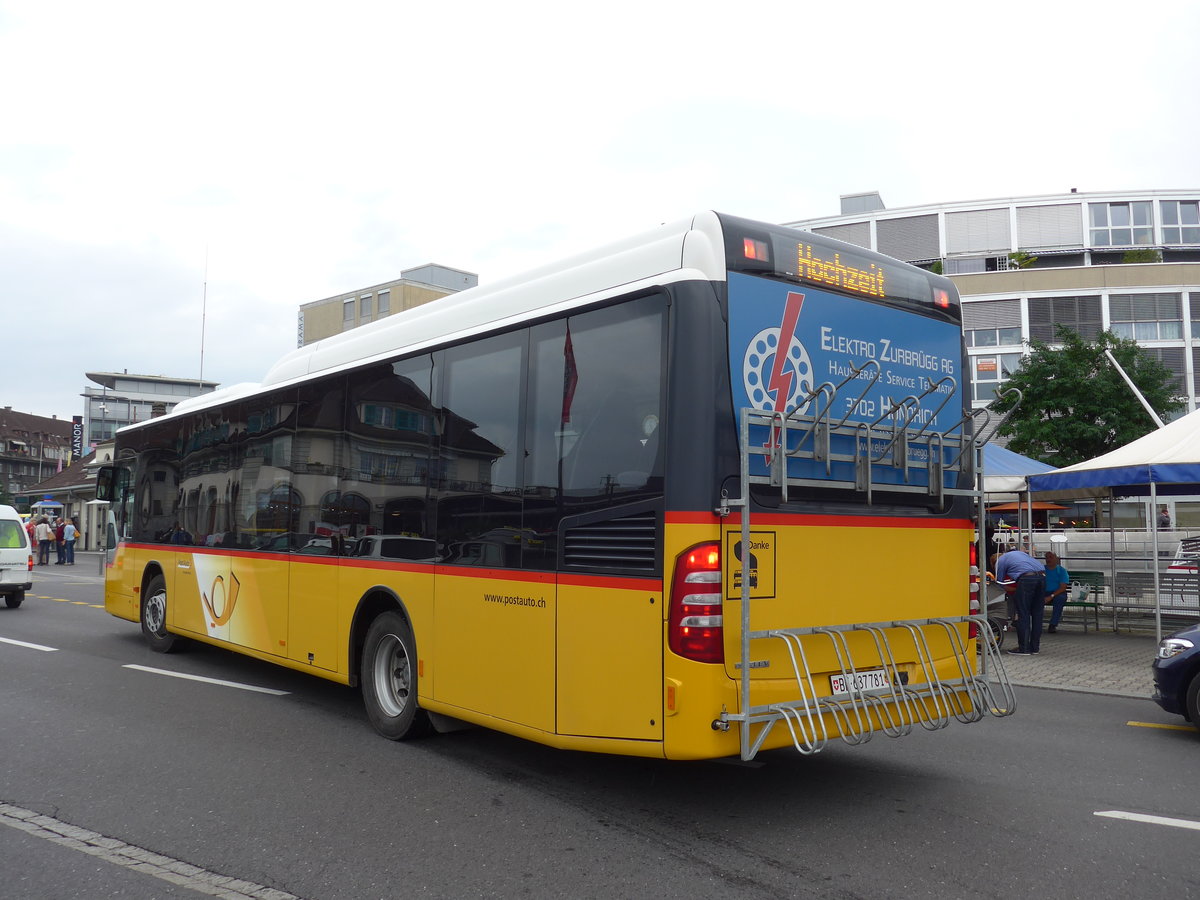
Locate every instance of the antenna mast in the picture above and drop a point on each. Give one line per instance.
(203, 311)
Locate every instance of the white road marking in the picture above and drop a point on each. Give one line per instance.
(1150, 820)
(24, 644)
(119, 853)
(232, 684)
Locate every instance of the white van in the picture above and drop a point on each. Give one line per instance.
(16, 557)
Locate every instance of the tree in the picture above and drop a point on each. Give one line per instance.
(1076, 405)
(1142, 255)
(1021, 260)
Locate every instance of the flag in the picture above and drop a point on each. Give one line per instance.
(570, 377)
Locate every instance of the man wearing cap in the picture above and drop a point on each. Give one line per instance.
(1030, 578)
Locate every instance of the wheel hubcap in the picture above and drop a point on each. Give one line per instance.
(156, 612)
(392, 675)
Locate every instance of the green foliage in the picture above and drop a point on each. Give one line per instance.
(1076, 405)
(1142, 256)
(1022, 260)
(936, 267)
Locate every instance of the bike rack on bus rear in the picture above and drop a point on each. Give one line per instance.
(895, 440)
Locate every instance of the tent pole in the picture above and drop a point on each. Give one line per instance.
(1154, 543)
(1029, 515)
(1112, 550)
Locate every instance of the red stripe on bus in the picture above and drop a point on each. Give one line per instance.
(637, 583)
(611, 581)
(815, 520)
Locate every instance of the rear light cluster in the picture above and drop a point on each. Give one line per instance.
(695, 627)
(974, 605)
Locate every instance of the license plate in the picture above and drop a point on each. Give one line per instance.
(869, 680)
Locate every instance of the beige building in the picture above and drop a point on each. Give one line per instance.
(342, 312)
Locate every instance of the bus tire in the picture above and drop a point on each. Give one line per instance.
(388, 678)
(13, 600)
(154, 617)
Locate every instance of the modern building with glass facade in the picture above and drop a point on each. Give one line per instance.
(1126, 261)
(123, 399)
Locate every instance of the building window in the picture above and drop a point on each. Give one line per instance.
(1121, 224)
(1181, 221)
(365, 308)
(348, 314)
(994, 337)
(1146, 317)
(385, 302)
(1080, 314)
(990, 372)
(1173, 358)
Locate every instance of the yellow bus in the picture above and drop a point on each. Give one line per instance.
(701, 493)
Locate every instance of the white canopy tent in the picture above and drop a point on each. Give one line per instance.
(1166, 461)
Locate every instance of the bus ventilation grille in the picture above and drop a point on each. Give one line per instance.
(625, 543)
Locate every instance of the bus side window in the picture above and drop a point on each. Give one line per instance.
(615, 406)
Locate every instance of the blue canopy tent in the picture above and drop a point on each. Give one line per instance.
(1006, 472)
(1166, 461)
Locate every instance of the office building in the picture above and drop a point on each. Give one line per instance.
(342, 312)
(123, 399)
(1125, 261)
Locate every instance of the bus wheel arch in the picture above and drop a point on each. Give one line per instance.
(385, 661)
(152, 612)
(388, 675)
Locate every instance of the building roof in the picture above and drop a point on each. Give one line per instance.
(1017, 200)
(109, 379)
(13, 425)
(76, 475)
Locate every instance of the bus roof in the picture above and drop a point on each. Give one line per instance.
(687, 249)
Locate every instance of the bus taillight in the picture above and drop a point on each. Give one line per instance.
(695, 628)
(974, 605)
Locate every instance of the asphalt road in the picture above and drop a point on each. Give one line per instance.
(121, 782)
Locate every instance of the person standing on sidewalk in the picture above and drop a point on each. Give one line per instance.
(69, 535)
(1030, 577)
(1058, 582)
(45, 537)
(59, 549)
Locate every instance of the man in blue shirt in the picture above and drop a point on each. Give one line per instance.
(1030, 578)
(1058, 582)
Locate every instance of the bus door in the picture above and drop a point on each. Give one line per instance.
(237, 597)
(114, 485)
(205, 594)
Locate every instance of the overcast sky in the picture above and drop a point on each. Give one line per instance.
(301, 150)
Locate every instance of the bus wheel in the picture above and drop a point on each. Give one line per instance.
(389, 682)
(12, 601)
(154, 617)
